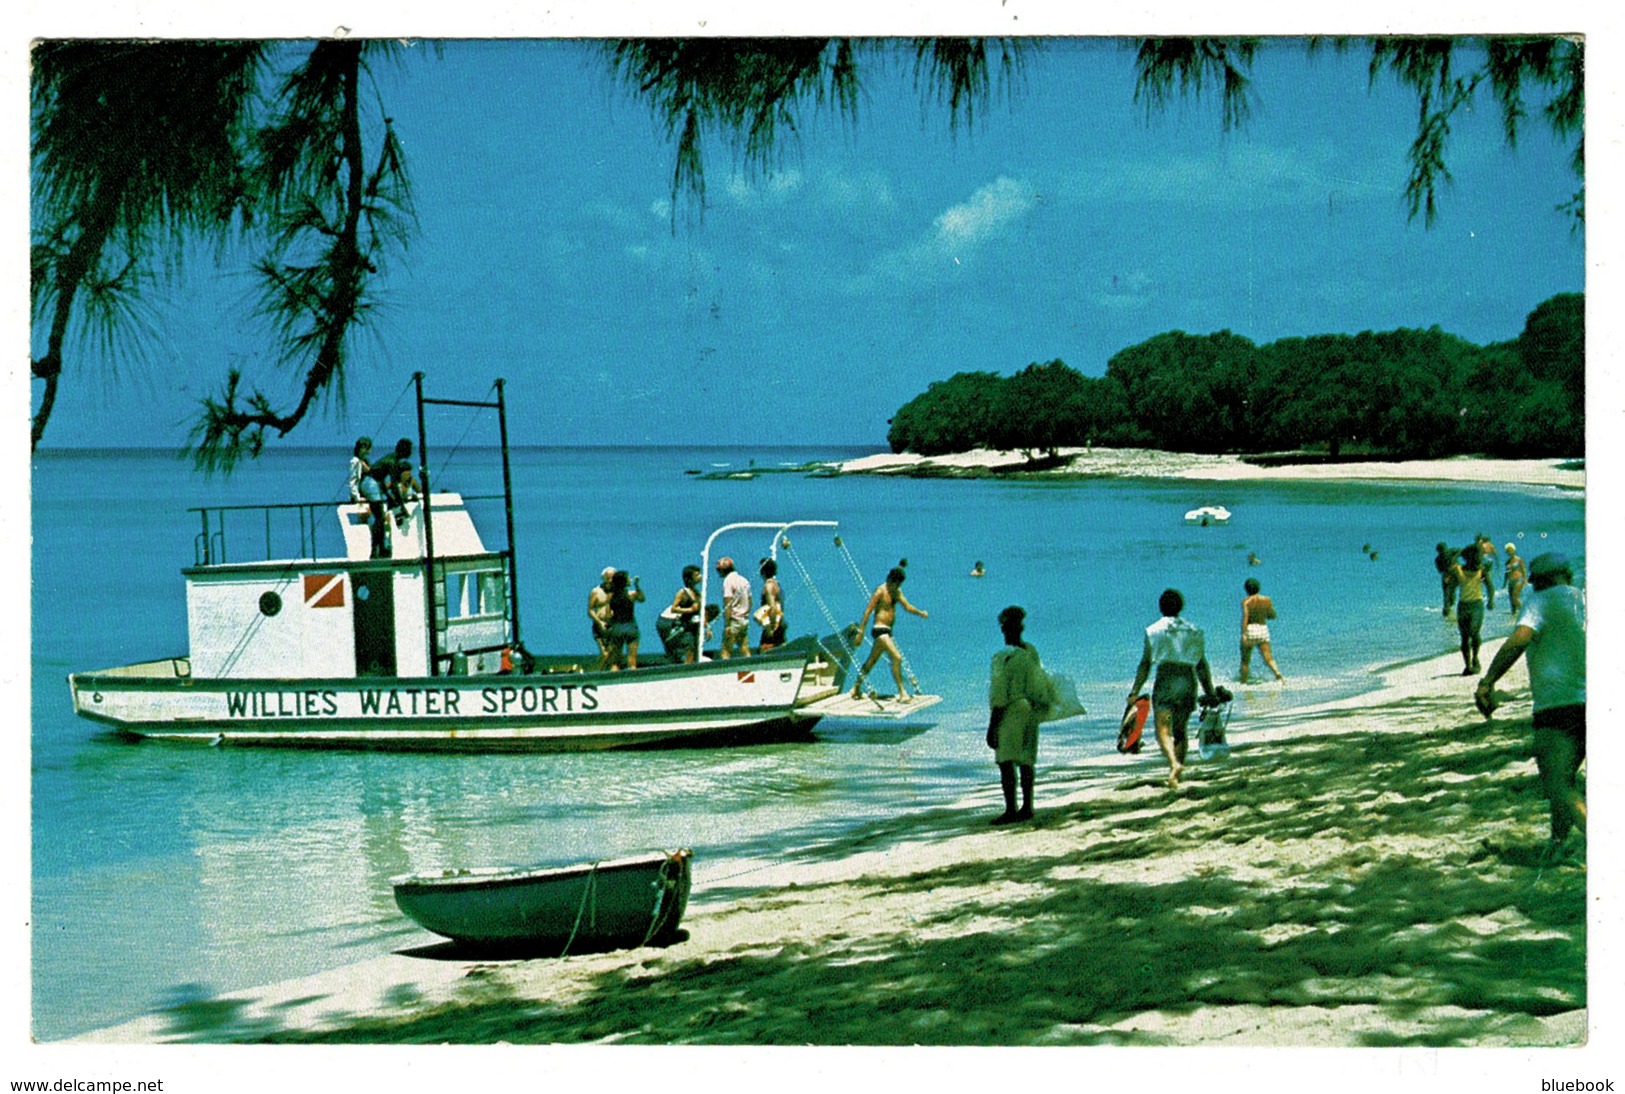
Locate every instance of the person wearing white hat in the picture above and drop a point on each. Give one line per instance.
(1551, 630)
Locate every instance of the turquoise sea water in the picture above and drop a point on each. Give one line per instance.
(163, 873)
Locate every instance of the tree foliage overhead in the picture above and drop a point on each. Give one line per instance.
(140, 149)
(752, 93)
(136, 148)
(332, 216)
(1402, 393)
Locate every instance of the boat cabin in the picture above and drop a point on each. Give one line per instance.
(353, 616)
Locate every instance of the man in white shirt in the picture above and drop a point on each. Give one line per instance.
(1551, 629)
(736, 601)
(1178, 650)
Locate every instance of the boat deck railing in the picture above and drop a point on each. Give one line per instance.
(278, 524)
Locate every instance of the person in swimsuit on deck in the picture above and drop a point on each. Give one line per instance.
(598, 612)
(883, 606)
(1179, 652)
(771, 613)
(1256, 612)
(679, 625)
(621, 632)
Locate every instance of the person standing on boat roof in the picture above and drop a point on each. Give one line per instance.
(1178, 650)
(1018, 695)
(358, 467)
(736, 601)
(394, 476)
(364, 488)
(598, 611)
(883, 605)
(771, 613)
(621, 632)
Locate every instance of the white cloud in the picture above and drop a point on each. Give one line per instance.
(869, 190)
(773, 189)
(1251, 175)
(988, 212)
(956, 236)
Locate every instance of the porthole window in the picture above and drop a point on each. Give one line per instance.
(363, 592)
(270, 603)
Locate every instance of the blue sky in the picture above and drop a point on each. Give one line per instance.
(810, 302)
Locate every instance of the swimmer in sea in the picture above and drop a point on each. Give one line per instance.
(883, 606)
(977, 570)
(1256, 612)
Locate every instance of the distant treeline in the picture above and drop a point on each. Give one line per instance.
(1404, 393)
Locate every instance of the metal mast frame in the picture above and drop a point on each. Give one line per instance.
(501, 407)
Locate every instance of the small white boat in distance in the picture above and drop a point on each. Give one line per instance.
(1208, 514)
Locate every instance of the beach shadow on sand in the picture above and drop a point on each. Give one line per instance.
(1347, 888)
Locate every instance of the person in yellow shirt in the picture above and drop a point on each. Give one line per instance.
(1468, 575)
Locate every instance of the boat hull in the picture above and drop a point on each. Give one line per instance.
(634, 901)
(717, 702)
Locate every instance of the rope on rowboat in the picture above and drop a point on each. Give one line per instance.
(665, 883)
(589, 894)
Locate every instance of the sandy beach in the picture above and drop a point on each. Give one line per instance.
(1361, 873)
(1150, 463)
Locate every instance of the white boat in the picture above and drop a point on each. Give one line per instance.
(1208, 514)
(422, 650)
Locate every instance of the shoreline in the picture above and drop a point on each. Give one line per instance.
(1328, 884)
(1084, 463)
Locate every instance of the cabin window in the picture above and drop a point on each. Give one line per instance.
(493, 593)
(470, 593)
(270, 603)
